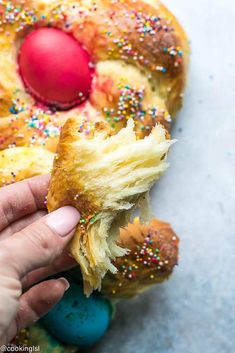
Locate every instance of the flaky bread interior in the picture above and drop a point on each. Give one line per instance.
(105, 177)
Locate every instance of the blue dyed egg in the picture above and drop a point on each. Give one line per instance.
(78, 320)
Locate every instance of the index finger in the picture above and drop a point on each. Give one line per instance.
(22, 198)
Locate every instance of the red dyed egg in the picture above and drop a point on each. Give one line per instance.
(55, 68)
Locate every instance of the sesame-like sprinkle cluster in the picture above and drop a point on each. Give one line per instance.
(145, 254)
(16, 13)
(22, 16)
(147, 27)
(130, 106)
(42, 123)
(17, 106)
(87, 128)
(144, 25)
(58, 13)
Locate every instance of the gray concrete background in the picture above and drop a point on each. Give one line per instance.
(195, 311)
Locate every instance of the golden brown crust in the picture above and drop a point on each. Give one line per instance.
(64, 166)
(153, 255)
(67, 189)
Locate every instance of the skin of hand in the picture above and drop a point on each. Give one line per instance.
(32, 247)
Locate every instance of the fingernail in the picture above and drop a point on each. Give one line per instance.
(65, 282)
(63, 220)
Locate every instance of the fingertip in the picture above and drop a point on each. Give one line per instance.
(65, 283)
(52, 291)
(41, 179)
(63, 220)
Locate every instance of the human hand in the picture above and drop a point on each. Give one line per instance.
(32, 247)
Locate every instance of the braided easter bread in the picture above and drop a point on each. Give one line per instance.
(138, 58)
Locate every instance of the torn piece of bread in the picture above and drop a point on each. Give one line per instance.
(105, 177)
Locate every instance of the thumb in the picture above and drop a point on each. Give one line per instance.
(40, 243)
